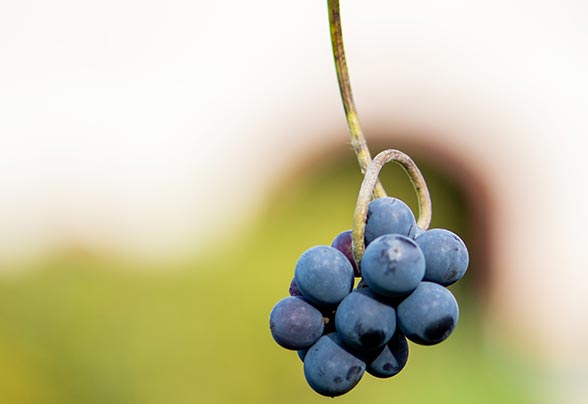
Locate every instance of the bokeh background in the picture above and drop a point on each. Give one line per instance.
(164, 164)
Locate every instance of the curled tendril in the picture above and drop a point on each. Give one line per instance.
(367, 191)
(371, 186)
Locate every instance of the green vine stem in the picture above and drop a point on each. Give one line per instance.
(358, 141)
(367, 190)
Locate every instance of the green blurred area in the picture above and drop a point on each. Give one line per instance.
(76, 329)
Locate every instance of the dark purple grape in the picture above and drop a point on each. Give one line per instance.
(428, 315)
(388, 216)
(343, 242)
(324, 275)
(364, 321)
(294, 291)
(390, 359)
(445, 254)
(393, 265)
(295, 324)
(330, 368)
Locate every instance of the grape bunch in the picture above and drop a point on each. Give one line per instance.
(339, 331)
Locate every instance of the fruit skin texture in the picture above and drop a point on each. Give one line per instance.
(364, 321)
(393, 265)
(295, 323)
(428, 315)
(324, 275)
(330, 368)
(391, 359)
(446, 256)
(388, 216)
(343, 242)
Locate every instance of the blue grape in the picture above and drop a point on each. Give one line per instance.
(324, 275)
(446, 256)
(391, 359)
(388, 216)
(393, 265)
(330, 368)
(343, 242)
(295, 323)
(428, 315)
(364, 321)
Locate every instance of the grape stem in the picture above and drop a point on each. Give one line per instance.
(371, 186)
(367, 190)
(358, 141)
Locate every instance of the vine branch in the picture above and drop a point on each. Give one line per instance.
(358, 141)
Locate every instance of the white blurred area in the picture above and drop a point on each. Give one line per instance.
(151, 129)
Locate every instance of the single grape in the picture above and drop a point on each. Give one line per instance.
(330, 368)
(293, 290)
(390, 360)
(343, 242)
(364, 321)
(388, 216)
(445, 254)
(393, 265)
(295, 323)
(324, 275)
(428, 315)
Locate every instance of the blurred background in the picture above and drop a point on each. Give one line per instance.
(164, 164)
